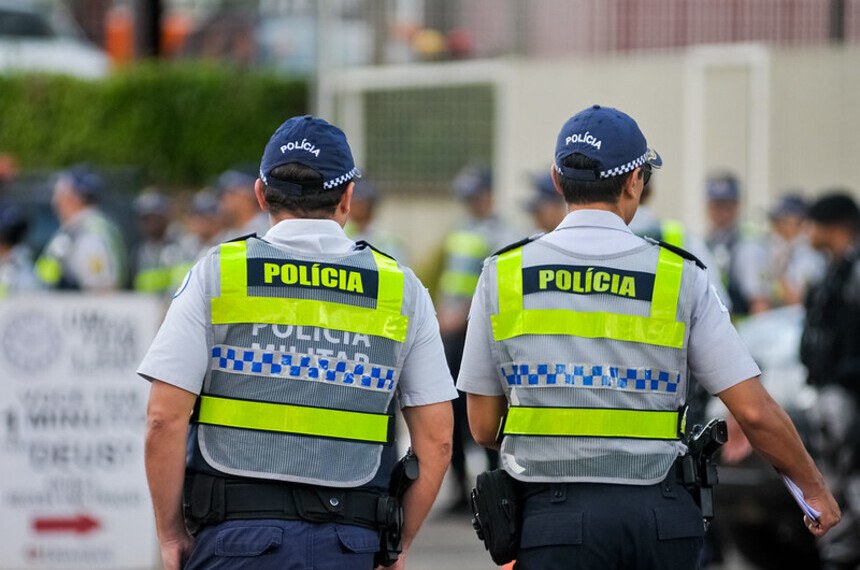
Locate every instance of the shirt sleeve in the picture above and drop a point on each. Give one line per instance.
(179, 355)
(93, 263)
(425, 378)
(478, 373)
(717, 356)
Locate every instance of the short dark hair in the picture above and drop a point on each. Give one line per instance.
(321, 204)
(606, 190)
(836, 209)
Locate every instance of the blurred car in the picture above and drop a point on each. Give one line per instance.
(755, 512)
(43, 37)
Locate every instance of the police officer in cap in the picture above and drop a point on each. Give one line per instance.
(293, 350)
(87, 252)
(546, 206)
(583, 340)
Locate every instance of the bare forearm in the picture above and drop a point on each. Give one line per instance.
(165, 472)
(167, 417)
(771, 432)
(775, 437)
(420, 497)
(430, 429)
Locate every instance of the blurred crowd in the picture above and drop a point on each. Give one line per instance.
(753, 269)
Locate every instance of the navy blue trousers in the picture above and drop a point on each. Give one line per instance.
(581, 526)
(283, 545)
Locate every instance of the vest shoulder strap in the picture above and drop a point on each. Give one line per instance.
(361, 244)
(519, 243)
(242, 238)
(680, 251)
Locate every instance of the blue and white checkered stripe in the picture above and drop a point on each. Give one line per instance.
(624, 168)
(312, 367)
(592, 376)
(343, 178)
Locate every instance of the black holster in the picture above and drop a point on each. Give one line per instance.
(497, 514)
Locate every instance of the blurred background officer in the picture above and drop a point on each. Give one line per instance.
(16, 263)
(88, 251)
(647, 223)
(158, 254)
(292, 350)
(202, 225)
(830, 349)
(725, 234)
(362, 226)
(781, 265)
(546, 206)
(239, 210)
(478, 235)
(587, 360)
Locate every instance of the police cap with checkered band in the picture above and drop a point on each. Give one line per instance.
(314, 143)
(609, 137)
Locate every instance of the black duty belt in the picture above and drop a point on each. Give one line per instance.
(211, 500)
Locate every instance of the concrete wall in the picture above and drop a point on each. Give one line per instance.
(810, 123)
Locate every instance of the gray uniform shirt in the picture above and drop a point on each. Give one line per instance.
(716, 355)
(180, 353)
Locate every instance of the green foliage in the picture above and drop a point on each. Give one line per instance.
(181, 123)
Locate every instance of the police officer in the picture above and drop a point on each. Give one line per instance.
(546, 206)
(16, 263)
(778, 268)
(158, 257)
(727, 235)
(238, 207)
(830, 350)
(362, 224)
(87, 252)
(475, 237)
(647, 223)
(293, 347)
(583, 340)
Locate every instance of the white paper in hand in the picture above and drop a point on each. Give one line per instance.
(797, 494)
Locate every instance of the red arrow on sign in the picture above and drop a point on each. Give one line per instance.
(78, 524)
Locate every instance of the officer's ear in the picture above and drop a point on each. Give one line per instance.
(259, 192)
(344, 207)
(555, 182)
(629, 187)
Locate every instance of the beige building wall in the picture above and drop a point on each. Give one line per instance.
(811, 137)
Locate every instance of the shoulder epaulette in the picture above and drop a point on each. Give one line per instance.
(361, 244)
(241, 238)
(682, 252)
(519, 243)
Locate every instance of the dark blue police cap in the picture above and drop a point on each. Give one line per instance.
(608, 136)
(723, 187)
(365, 191)
(151, 203)
(544, 191)
(790, 205)
(204, 203)
(236, 179)
(311, 142)
(472, 181)
(84, 181)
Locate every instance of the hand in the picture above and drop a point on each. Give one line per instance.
(830, 514)
(175, 552)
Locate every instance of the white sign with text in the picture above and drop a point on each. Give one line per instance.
(73, 491)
